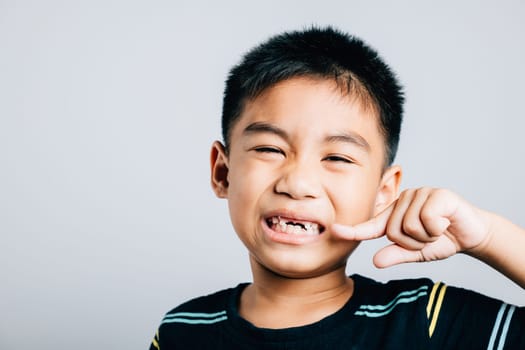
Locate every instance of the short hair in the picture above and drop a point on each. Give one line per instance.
(319, 53)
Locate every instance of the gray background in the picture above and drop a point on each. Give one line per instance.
(107, 113)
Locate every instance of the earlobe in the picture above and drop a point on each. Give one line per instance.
(388, 190)
(219, 169)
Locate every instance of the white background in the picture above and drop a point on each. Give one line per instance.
(107, 113)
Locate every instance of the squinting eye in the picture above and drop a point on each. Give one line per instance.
(267, 150)
(338, 159)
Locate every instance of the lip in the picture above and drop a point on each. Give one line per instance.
(291, 239)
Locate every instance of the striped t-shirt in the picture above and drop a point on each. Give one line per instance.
(402, 314)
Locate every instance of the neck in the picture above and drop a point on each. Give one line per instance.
(275, 301)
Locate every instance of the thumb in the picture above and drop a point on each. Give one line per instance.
(394, 254)
(371, 229)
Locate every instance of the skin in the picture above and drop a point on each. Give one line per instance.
(429, 224)
(304, 151)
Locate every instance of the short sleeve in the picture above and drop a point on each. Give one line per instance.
(459, 318)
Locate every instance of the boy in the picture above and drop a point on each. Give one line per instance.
(311, 123)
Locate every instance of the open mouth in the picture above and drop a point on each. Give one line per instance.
(294, 227)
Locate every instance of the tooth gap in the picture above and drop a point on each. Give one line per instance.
(296, 224)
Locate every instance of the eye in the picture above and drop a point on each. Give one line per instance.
(338, 158)
(267, 149)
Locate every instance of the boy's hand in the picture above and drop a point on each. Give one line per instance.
(424, 224)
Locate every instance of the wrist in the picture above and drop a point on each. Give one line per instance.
(487, 232)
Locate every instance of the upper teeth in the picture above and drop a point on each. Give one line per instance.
(294, 227)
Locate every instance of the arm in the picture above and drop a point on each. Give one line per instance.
(504, 249)
(432, 224)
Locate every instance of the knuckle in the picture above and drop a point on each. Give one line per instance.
(426, 214)
(411, 227)
(393, 234)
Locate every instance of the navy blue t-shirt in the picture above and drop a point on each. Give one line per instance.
(402, 314)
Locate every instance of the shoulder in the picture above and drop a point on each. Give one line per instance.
(405, 299)
(453, 317)
(193, 323)
(402, 290)
(461, 318)
(207, 307)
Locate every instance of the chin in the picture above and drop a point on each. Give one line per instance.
(302, 262)
(297, 269)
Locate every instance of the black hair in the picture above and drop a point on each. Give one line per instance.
(319, 53)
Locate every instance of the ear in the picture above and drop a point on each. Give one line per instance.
(388, 190)
(219, 170)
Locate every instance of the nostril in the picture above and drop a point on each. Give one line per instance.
(299, 180)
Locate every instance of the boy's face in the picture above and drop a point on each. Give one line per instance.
(302, 157)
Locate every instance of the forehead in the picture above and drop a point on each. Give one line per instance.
(312, 107)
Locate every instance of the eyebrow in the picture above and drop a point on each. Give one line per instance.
(344, 137)
(349, 137)
(260, 127)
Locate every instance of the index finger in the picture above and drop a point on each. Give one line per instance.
(371, 229)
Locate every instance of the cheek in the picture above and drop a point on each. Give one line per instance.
(353, 200)
(239, 204)
(246, 186)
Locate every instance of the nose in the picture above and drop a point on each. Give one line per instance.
(299, 180)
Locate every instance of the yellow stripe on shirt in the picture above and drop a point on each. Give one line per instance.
(437, 309)
(431, 298)
(155, 342)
